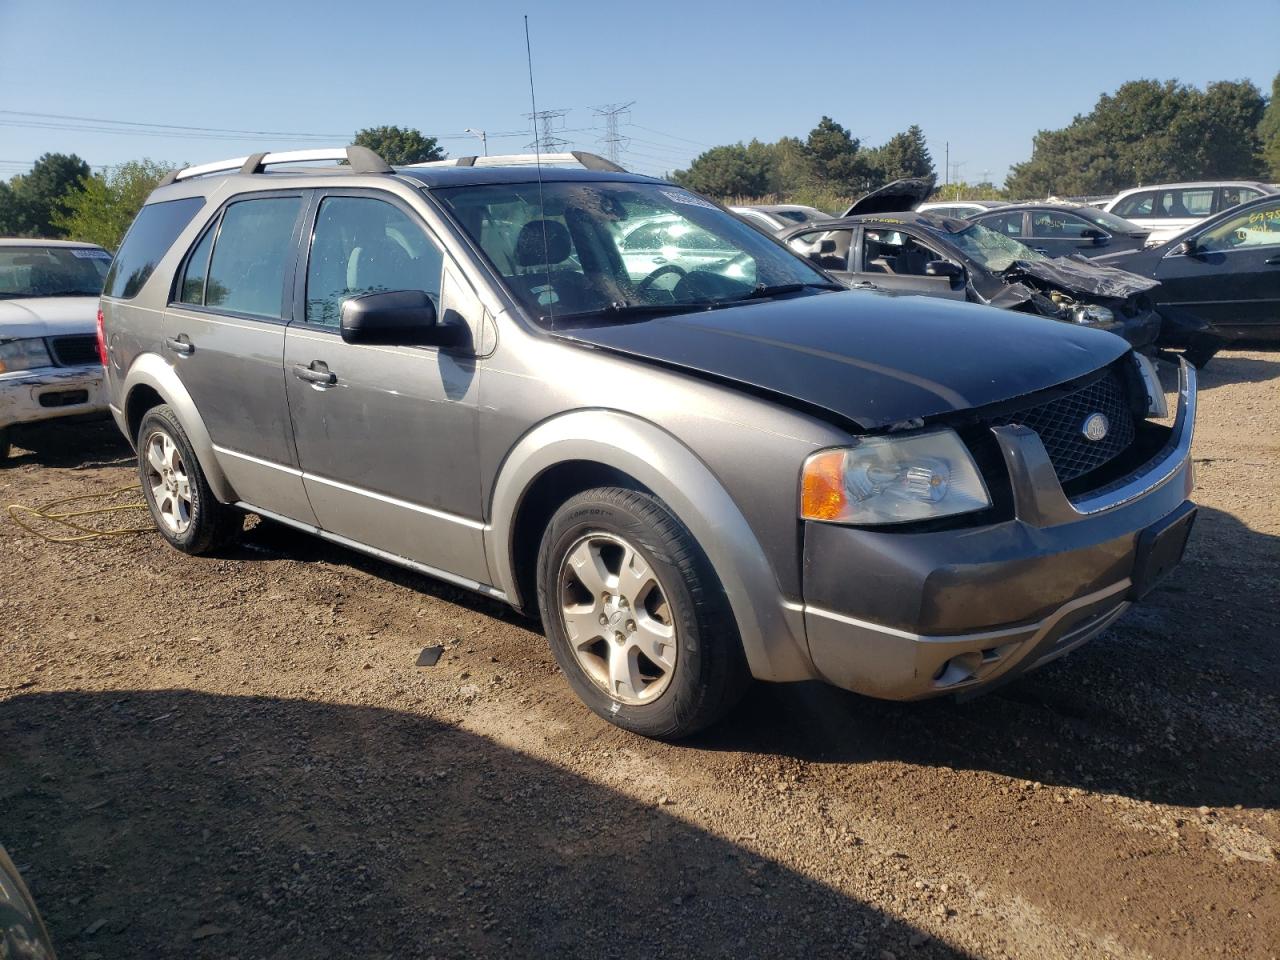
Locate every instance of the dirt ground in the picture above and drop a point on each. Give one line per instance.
(237, 757)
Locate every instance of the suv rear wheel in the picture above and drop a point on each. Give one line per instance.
(184, 509)
(636, 618)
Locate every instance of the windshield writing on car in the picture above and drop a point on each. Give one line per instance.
(601, 248)
(992, 250)
(37, 271)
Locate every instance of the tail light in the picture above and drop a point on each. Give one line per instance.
(102, 341)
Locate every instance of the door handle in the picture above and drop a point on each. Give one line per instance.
(862, 285)
(1041, 250)
(181, 345)
(1272, 261)
(317, 372)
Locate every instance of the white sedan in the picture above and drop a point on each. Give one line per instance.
(50, 365)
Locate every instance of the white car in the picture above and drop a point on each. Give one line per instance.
(774, 217)
(959, 209)
(50, 364)
(1167, 209)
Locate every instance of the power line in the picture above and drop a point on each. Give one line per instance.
(671, 136)
(612, 140)
(167, 126)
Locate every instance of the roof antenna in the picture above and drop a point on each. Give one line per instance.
(537, 159)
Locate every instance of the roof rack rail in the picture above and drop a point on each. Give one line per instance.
(360, 159)
(590, 161)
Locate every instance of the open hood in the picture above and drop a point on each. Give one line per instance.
(865, 358)
(897, 197)
(1080, 275)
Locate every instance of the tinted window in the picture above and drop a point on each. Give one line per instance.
(253, 249)
(192, 286)
(1260, 227)
(38, 271)
(1055, 224)
(1185, 203)
(1230, 196)
(1138, 205)
(362, 245)
(152, 233)
(1010, 224)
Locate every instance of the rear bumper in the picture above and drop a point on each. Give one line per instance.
(50, 393)
(908, 616)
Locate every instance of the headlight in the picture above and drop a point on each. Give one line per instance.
(23, 355)
(893, 479)
(1091, 313)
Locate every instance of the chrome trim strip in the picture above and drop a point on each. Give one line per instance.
(1159, 471)
(402, 504)
(484, 588)
(223, 451)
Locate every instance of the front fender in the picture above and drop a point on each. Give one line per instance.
(151, 370)
(772, 630)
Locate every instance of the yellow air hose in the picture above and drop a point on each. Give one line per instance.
(20, 514)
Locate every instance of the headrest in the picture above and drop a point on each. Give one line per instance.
(529, 245)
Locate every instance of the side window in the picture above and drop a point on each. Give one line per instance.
(362, 245)
(149, 239)
(1185, 203)
(1260, 227)
(1010, 224)
(894, 252)
(1053, 224)
(1137, 205)
(1229, 196)
(191, 289)
(828, 249)
(252, 252)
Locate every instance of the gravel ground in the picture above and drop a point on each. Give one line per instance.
(236, 757)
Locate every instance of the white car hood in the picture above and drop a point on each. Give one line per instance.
(47, 316)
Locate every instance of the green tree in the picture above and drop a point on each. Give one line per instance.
(1269, 132)
(31, 203)
(399, 145)
(904, 155)
(102, 209)
(733, 170)
(832, 152)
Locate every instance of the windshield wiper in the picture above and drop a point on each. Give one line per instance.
(622, 309)
(762, 290)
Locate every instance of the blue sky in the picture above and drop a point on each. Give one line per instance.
(983, 76)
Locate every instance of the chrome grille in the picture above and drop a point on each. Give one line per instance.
(1060, 424)
(75, 351)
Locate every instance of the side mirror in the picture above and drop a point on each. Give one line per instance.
(1097, 236)
(1187, 248)
(826, 246)
(943, 268)
(395, 318)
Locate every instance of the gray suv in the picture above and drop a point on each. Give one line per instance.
(698, 463)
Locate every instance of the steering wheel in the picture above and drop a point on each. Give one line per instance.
(642, 288)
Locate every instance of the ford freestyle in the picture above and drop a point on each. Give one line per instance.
(610, 403)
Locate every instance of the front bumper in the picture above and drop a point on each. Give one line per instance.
(905, 616)
(1141, 330)
(48, 393)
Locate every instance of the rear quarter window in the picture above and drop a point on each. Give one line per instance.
(149, 239)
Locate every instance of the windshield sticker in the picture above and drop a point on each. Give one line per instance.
(687, 198)
(81, 254)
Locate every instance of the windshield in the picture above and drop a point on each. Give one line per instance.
(37, 271)
(1109, 221)
(802, 215)
(992, 250)
(607, 248)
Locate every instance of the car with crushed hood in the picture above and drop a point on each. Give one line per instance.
(881, 243)
(1060, 229)
(692, 477)
(50, 368)
(1224, 270)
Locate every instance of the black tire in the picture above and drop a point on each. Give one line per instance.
(210, 523)
(710, 672)
(4, 443)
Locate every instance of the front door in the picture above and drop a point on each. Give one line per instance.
(224, 335)
(386, 435)
(1058, 233)
(889, 258)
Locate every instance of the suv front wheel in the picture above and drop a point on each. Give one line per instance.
(184, 509)
(636, 618)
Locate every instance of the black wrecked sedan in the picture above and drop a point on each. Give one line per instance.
(880, 244)
(1225, 269)
(1063, 229)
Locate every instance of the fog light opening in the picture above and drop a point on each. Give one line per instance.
(959, 669)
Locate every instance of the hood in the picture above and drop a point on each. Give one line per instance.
(47, 316)
(867, 358)
(896, 197)
(1078, 274)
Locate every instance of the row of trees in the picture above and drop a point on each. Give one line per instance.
(61, 197)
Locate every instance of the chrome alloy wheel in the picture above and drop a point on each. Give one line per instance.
(617, 618)
(169, 482)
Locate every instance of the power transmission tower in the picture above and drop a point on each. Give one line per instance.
(545, 126)
(613, 141)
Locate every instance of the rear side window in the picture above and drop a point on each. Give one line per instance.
(250, 256)
(1010, 224)
(1138, 205)
(149, 239)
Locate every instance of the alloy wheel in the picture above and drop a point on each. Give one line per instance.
(170, 484)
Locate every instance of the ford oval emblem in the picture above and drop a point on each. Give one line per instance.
(1096, 426)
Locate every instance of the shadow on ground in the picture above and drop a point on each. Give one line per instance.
(92, 443)
(1228, 368)
(180, 824)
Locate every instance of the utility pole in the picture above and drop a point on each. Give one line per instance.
(484, 138)
(612, 140)
(946, 174)
(545, 126)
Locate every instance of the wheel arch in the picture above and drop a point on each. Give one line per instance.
(151, 382)
(577, 451)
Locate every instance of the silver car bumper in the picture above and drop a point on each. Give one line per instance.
(909, 616)
(48, 393)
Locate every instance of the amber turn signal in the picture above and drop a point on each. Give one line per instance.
(822, 493)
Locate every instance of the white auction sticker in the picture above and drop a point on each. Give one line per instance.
(687, 198)
(83, 254)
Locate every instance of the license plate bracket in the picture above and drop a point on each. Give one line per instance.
(1160, 549)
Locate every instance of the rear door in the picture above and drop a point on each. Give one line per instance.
(386, 435)
(1233, 278)
(224, 335)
